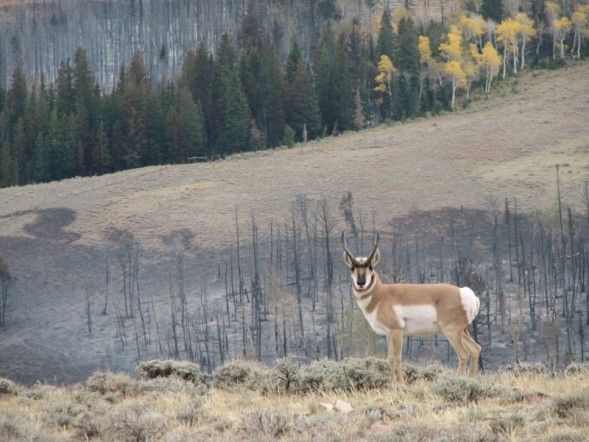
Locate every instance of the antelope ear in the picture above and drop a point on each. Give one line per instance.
(348, 261)
(375, 259)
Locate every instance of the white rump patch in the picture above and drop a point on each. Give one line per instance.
(470, 303)
(418, 320)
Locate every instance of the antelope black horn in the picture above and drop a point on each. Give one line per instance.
(346, 250)
(374, 247)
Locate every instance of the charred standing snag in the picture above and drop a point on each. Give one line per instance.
(395, 310)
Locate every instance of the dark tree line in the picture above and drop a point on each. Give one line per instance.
(241, 98)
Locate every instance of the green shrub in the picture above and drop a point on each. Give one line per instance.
(172, 385)
(190, 412)
(86, 425)
(245, 374)
(429, 373)
(8, 387)
(189, 371)
(287, 375)
(505, 425)
(133, 422)
(567, 406)
(269, 423)
(527, 368)
(462, 390)
(346, 375)
(288, 139)
(63, 414)
(577, 368)
(112, 384)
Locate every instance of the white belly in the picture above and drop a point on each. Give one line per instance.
(418, 320)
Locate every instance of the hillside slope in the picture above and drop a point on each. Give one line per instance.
(506, 146)
(55, 237)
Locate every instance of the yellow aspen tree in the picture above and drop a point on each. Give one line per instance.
(579, 21)
(472, 28)
(489, 62)
(384, 75)
(452, 52)
(563, 27)
(507, 32)
(552, 11)
(428, 64)
(452, 49)
(526, 32)
(490, 26)
(470, 66)
(454, 70)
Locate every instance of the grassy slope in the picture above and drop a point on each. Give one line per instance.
(527, 407)
(501, 147)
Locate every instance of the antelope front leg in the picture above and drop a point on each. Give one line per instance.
(395, 344)
(391, 356)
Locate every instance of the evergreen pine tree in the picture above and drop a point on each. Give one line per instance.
(335, 87)
(231, 111)
(492, 9)
(134, 125)
(184, 128)
(16, 101)
(385, 43)
(197, 76)
(65, 101)
(407, 64)
(302, 108)
(262, 81)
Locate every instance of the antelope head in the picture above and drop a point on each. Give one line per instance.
(362, 267)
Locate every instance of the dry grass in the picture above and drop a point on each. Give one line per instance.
(528, 406)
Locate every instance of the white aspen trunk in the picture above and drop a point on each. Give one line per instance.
(554, 47)
(504, 59)
(453, 91)
(523, 63)
(562, 48)
(515, 58)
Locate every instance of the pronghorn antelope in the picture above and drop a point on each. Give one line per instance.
(395, 310)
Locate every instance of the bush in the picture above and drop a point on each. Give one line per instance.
(132, 422)
(462, 390)
(8, 387)
(244, 374)
(576, 368)
(112, 384)
(430, 373)
(427, 432)
(567, 406)
(288, 139)
(172, 385)
(527, 368)
(349, 374)
(63, 414)
(189, 371)
(287, 375)
(190, 412)
(270, 423)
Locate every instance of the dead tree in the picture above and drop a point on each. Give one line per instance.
(5, 281)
